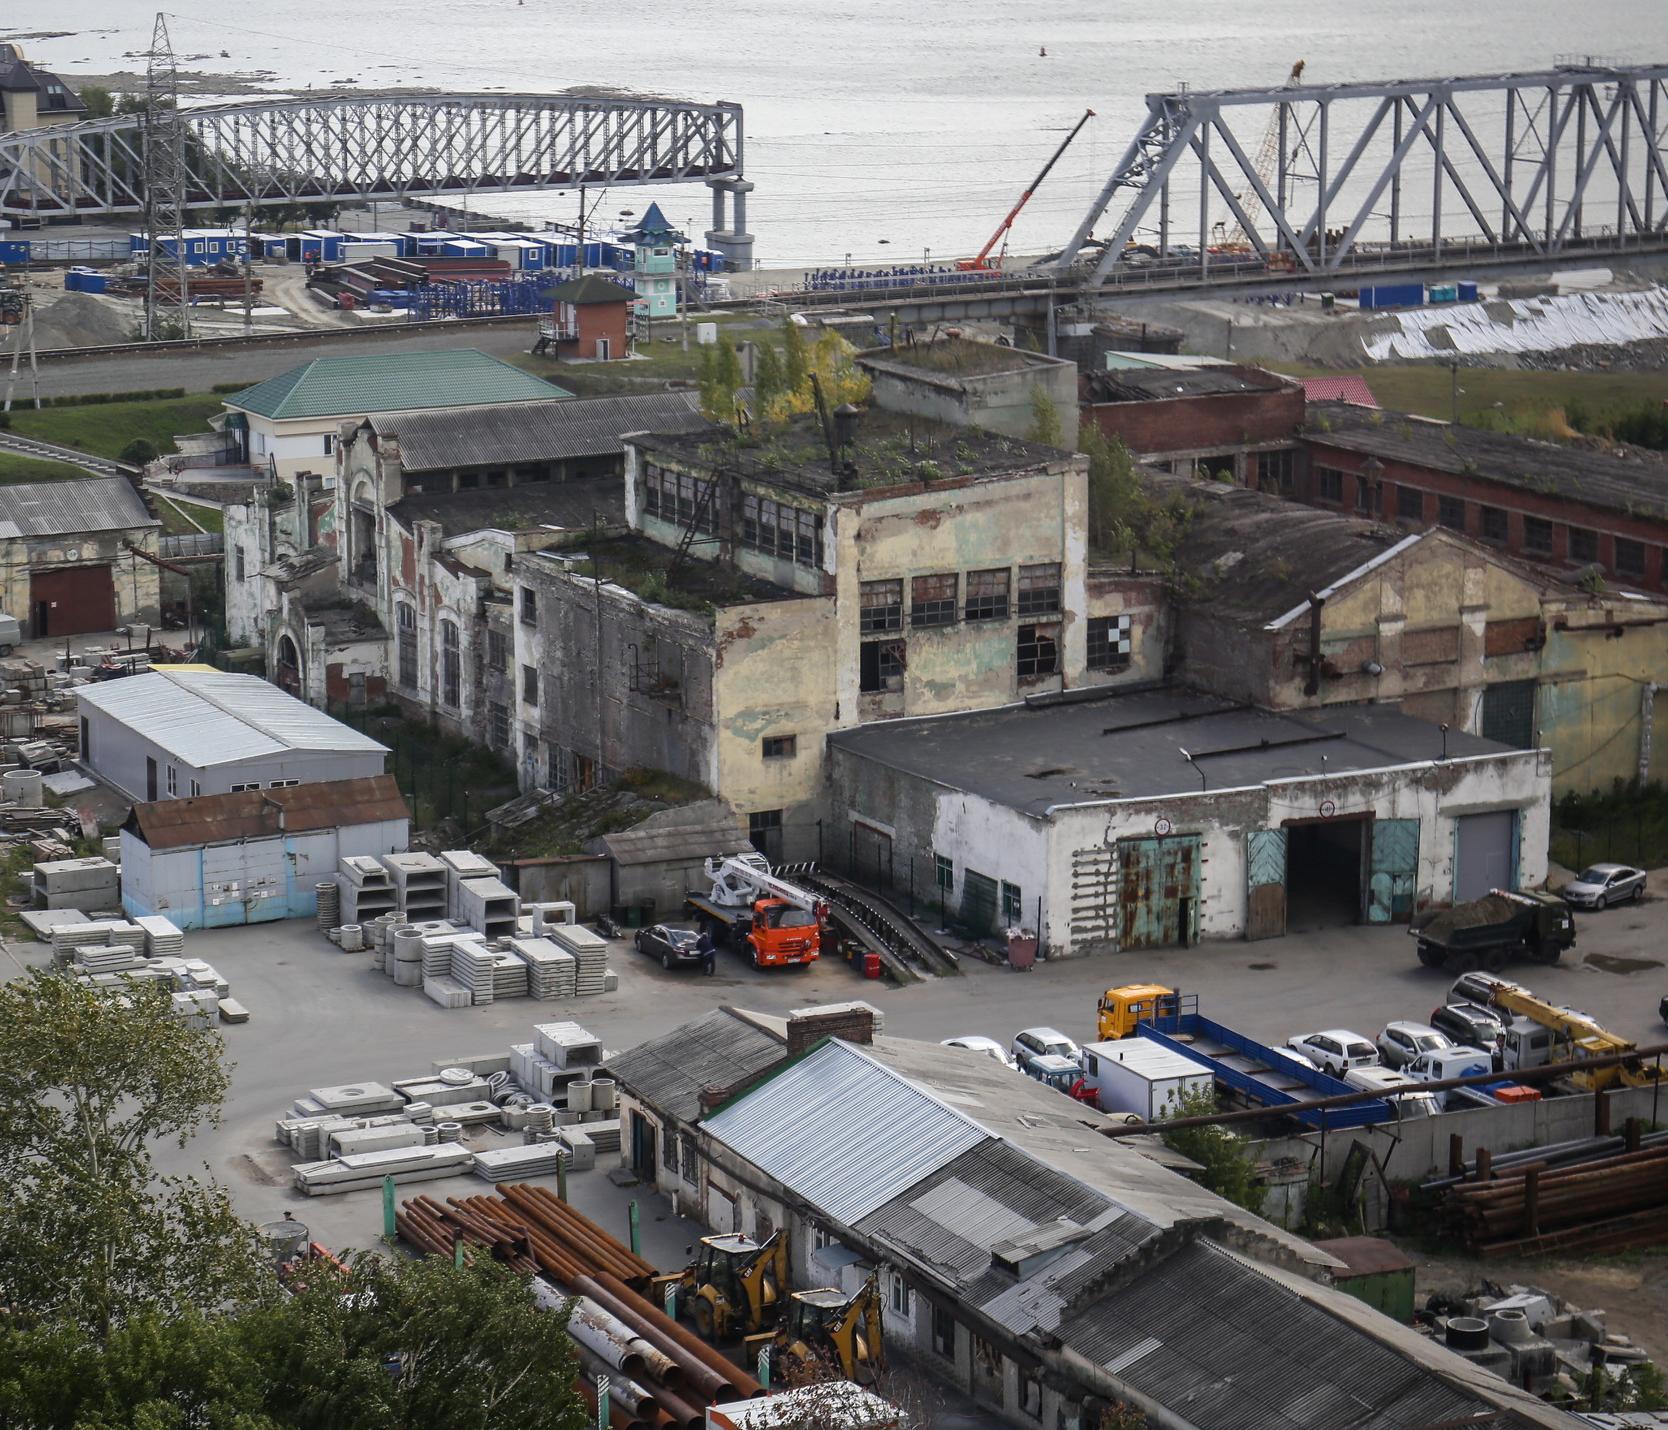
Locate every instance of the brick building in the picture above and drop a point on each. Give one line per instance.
(589, 320)
(1568, 506)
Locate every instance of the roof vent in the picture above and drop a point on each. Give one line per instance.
(1026, 1254)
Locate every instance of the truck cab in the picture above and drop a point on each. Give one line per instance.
(1062, 1074)
(1123, 1007)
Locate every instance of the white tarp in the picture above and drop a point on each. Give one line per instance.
(1521, 325)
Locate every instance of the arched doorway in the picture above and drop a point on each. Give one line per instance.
(288, 675)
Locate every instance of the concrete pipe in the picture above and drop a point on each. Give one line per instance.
(22, 787)
(353, 937)
(579, 1096)
(449, 1131)
(407, 975)
(1467, 1333)
(1510, 1326)
(605, 1094)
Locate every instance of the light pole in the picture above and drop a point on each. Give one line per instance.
(1198, 769)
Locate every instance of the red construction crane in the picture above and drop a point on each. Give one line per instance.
(984, 263)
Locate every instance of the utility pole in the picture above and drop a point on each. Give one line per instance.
(164, 182)
(579, 245)
(23, 334)
(248, 273)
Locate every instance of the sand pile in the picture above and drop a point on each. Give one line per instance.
(80, 320)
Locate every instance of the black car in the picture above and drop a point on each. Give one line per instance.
(1468, 1024)
(671, 946)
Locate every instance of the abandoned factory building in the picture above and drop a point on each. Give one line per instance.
(1154, 818)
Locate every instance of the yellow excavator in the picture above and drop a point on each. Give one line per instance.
(844, 1330)
(1544, 1033)
(734, 1286)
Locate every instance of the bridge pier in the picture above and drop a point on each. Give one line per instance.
(731, 237)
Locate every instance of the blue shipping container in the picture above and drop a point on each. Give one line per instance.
(1468, 292)
(14, 251)
(1393, 295)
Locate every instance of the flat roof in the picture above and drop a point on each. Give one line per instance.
(1152, 382)
(207, 718)
(1628, 480)
(257, 814)
(1128, 746)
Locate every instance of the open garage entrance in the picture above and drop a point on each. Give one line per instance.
(1325, 871)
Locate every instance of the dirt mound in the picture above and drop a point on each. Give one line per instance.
(79, 320)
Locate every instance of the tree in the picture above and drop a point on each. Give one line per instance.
(796, 360)
(138, 452)
(720, 381)
(1229, 1170)
(89, 1231)
(390, 1343)
(1045, 419)
(769, 379)
(101, 104)
(1117, 504)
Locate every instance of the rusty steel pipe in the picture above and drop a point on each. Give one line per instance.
(734, 1374)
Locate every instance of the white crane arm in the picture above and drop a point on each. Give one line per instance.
(744, 878)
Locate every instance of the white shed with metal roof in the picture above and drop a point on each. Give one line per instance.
(175, 733)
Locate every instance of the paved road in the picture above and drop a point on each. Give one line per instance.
(198, 371)
(320, 1017)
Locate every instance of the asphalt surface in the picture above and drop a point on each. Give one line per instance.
(321, 1017)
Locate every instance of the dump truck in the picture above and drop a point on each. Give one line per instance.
(774, 922)
(1488, 931)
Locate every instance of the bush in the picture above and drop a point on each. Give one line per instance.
(1229, 1169)
(91, 399)
(138, 452)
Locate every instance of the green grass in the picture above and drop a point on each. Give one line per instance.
(15, 468)
(1508, 401)
(177, 517)
(443, 777)
(105, 428)
(662, 359)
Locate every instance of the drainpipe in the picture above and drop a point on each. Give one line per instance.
(1312, 685)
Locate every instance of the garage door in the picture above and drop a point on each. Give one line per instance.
(1158, 891)
(1485, 849)
(72, 601)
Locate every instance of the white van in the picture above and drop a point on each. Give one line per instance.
(1413, 1104)
(11, 634)
(1444, 1063)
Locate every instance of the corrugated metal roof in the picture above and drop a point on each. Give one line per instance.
(1231, 1349)
(223, 818)
(716, 1051)
(66, 508)
(358, 384)
(215, 718)
(843, 1131)
(533, 431)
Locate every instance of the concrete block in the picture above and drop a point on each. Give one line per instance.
(582, 1151)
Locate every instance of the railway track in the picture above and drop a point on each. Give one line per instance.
(875, 923)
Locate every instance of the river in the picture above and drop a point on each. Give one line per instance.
(883, 129)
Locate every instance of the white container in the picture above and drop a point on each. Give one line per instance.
(1140, 1076)
(22, 787)
(706, 335)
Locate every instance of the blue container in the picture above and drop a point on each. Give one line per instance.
(1467, 292)
(1444, 292)
(1393, 295)
(14, 251)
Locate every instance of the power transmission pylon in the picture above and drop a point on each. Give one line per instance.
(164, 185)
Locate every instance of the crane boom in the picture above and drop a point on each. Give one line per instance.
(982, 261)
(745, 878)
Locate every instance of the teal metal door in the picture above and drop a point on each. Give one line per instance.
(1158, 891)
(1265, 880)
(978, 904)
(1393, 871)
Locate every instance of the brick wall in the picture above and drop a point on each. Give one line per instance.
(1534, 525)
(1190, 424)
(852, 1024)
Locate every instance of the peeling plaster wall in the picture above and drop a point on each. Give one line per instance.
(999, 402)
(1146, 601)
(135, 583)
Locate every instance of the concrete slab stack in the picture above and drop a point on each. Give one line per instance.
(447, 992)
(516, 1164)
(368, 1169)
(552, 971)
(115, 958)
(471, 966)
(41, 922)
(462, 864)
(364, 1099)
(162, 937)
(68, 937)
(419, 882)
(590, 951)
(487, 905)
(91, 883)
(367, 891)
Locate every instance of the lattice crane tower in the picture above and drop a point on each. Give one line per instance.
(164, 136)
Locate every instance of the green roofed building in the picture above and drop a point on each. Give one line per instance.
(291, 421)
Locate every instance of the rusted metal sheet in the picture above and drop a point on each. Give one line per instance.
(1394, 871)
(1158, 891)
(1265, 878)
(221, 818)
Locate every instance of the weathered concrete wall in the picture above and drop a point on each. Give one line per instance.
(1146, 601)
(1001, 402)
(1217, 422)
(134, 581)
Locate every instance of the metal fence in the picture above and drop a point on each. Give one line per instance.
(202, 543)
(1625, 828)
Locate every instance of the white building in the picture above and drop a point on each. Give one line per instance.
(1161, 817)
(256, 856)
(183, 731)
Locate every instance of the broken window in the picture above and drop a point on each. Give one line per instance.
(680, 499)
(881, 666)
(1583, 544)
(1110, 642)
(529, 686)
(943, 1333)
(1410, 504)
(1275, 471)
(1537, 535)
(932, 600)
(987, 596)
(451, 666)
(787, 532)
(946, 873)
(1630, 557)
(1329, 485)
(1450, 512)
(781, 747)
(882, 607)
(406, 619)
(689, 1167)
(1013, 904)
(1039, 589)
(1039, 651)
(498, 651)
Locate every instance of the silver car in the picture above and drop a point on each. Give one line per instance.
(1600, 885)
(1400, 1043)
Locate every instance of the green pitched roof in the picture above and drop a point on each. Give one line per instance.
(392, 382)
(590, 289)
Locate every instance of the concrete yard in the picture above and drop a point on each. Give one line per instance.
(321, 1017)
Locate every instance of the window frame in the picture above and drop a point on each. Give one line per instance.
(1409, 497)
(527, 606)
(994, 604)
(405, 627)
(451, 664)
(1105, 635)
(944, 870)
(1582, 535)
(530, 686)
(1013, 904)
(880, 606)
(1637, 572)
(1486, 517)
(1039, 633)
(928, 605)
(1329, 485)
(779, 747)
(1038, 590)
(1534, 526)
(1450, 506)
(891, 663)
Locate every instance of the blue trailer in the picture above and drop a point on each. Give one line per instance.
(1260, 1074)
(14, 251)
(1393, 295)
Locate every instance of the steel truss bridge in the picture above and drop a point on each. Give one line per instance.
(348, 149)
(1321, 179)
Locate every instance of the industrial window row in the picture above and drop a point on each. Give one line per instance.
(679, 498)
(777, 529)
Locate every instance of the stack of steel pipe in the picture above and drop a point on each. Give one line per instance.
(1532, 1207)
(661, 1375)
(433, 1229)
